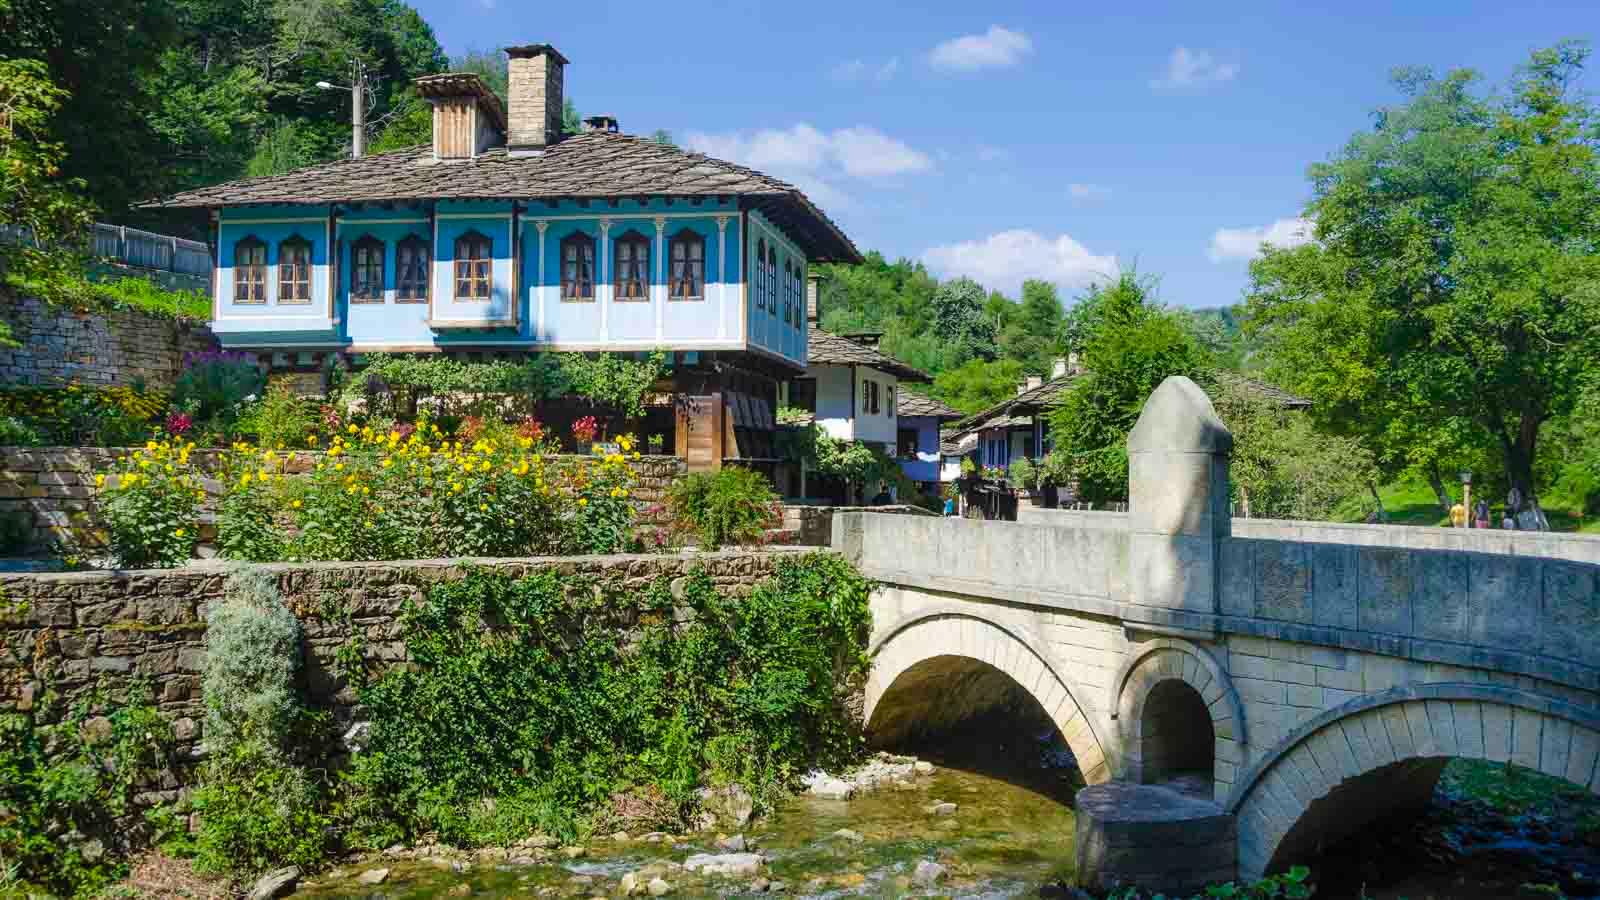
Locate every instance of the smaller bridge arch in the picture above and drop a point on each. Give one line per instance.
(1177, 712)
(1382, 753)
(953, 643)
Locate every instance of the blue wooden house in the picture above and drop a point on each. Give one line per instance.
(507, 236)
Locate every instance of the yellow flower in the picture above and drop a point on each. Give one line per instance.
(350, 490)
(144, 463)
(295, 504)
(583, 501)
(616, 492)
(352, 429)
(179, 533)
(635, 454)
(149, 445)
(483, 507)
(455, 486)
(366, 490)
(526, 443)
(338, 467)
(311, 440)
(100, 481)
(387, 463)
(244, 479)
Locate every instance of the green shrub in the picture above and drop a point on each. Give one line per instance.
(257, 813)
(214, 386)
(14, 432)
(63, 786)
(281, 420)
(729, 506)
(520, 692)
(1023, 473)
(261, 805)
(150, 508)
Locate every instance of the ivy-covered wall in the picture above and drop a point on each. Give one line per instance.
(71, 633)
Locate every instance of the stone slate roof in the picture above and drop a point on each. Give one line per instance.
(910, 403)
(832, 350)
(594, 165)
(1018, 410)
(1268, 392)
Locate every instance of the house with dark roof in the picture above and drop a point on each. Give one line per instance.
(505, 235)
(1017, 427)
(850, 386)
(917, 444)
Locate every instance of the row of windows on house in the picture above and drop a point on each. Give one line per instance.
(473, 268)
(876, 399)
(774, 290)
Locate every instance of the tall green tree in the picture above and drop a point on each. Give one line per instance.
(978, 384)
(1136, 344)
(1282, 466)
(1455, 245)
(958, 318)
(1035, 336)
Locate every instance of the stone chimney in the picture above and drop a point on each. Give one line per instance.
(534, 90)
(1059, 368)
(602, 123)
(1029, 383)
(1074, 365)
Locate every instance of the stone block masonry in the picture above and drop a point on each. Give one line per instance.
(74, 632)
(51, 490)
(98, 349)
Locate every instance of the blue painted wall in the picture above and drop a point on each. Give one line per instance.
(525, 304)
(274, 322)
(767, 295)
(926, 466)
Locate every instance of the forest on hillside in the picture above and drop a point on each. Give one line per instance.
(977, 342)
(165, 95)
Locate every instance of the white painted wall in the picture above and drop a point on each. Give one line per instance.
(835, 403)
(840, 411)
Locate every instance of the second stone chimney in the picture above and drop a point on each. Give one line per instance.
(535, 95)
(813, 285)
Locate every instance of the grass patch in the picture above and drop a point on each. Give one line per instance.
(1509, 789)
(1410, 501)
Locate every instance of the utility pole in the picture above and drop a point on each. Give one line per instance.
(358, 106)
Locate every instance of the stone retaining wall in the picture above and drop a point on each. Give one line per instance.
(70, 633)
(51, 490)
(100, 349)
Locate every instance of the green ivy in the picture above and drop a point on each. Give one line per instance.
(528, 704)
(65, 785)
(613, 380)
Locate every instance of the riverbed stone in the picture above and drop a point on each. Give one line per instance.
(274, 884)
(658, 887)
(940, 808)
(373, 876)
(927, 873)
(845, 834)
(734, 844)
(923, 767)
(736, 864)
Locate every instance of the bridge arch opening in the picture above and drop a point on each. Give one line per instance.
(946, 671)
(1176, 740)
(1377, 761)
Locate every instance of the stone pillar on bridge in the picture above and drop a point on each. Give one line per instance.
(1178, 507)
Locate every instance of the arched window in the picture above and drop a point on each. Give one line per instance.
(687, 278)
(294, 270)
(474, 257)
(366, 270)
(788, 299)
(631, 268)
(760, 274)
(799, 294)
(772, 279)
(249, 271)
(577, 268)
(412, 257)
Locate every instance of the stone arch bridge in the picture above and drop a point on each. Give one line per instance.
(1310, 678)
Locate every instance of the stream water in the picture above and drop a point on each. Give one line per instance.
(1011, 835)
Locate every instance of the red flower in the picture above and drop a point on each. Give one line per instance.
(178, 423)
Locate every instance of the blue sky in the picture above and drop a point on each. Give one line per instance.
(1005, 141)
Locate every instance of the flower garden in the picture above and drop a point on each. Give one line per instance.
(406, 459)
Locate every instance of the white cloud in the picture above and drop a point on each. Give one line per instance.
(1245, 243)
(996, 47)
(861, 70)
(1190, 68)
(1004, 260)
(860, 152)
(1079, 190)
